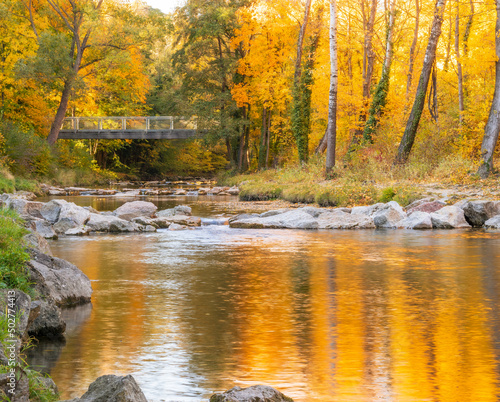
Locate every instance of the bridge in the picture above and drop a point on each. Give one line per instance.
(134, 128)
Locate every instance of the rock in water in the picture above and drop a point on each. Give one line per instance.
(135, 209)
(417, 220)
(478, 212)
(338, 219)
(256, 393)
(112, 388)
(450, 217)
(59, 279)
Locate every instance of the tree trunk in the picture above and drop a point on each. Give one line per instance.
(380, 96)
(321, 147)
(413, 49)
(268, 129)
(459, 67)
(368, 62)
(418, 105)
(492, 127)
(332, 104)
(55, 128)
(300, 42)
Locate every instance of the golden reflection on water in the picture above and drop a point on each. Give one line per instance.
(323, 316)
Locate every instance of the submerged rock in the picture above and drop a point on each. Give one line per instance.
(112, 388)
(255, 393)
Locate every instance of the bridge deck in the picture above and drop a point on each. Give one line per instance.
(152, 128)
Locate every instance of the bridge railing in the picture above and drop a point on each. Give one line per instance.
(119, 123)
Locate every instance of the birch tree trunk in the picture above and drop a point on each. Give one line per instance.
(413, 49)
(459, 66)
(492, 127)
(418, 105)
(332, 104)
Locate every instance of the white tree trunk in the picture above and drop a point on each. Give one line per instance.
(332, 105)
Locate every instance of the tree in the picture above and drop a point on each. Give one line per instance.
(408, 138)
(492, 127)
(380, 95)
(332, 103)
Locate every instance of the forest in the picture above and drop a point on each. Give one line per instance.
(413, 93)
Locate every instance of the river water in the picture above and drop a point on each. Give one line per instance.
(375, 315)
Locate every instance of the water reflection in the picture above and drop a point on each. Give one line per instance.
(323, 316)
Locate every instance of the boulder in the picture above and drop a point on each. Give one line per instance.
(121, 225)
(428, 206)
(314, 212)
(20, 303)
(161, 223)
(175, 226)
(64, 215)
(478, 212)
(493, 223)
(337, 219)
(148, 228)
(185, 220)
(45, 229)
(389, 215)
(180, 191)
(293, 219)
(271, 213)
(165, 213)
(369, 210)
(112, 388)
(182, 210)
(35, 240)
(78, 231)
(450, 217)
(102, 222)
(59, 279)
(21, 387)
(417, 220)
(233, 190)
(255, 393)
(49, 323)
(134, 209)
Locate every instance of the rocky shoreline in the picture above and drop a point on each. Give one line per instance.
(422, 214)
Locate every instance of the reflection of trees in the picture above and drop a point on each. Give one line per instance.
(351, 316)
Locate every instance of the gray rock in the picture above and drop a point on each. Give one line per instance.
(180, 191)
(337, 219)
(175, 226)
(51, 210)
(112, 388)
(182, 210)
(134, 209)
(102, 222)
(64, 215)
(369, 210)
(121, 225)
(256, 393)
(450, 217)
(49, 323)
(20, 302)
(417, 220)
(185, 220)
(165, 213)
(493, 223)
(292, 219)
(161, 223)
(389, 216)
(149, 228)
(45, 229)
(59, 279)
(21, 387)
(35, 240)
(233, 191)
(314, 212)
(478, 212)
(144, 221)
(267, 214)
(78, 231)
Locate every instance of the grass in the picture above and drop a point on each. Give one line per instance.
(13, 256)
(367, 179)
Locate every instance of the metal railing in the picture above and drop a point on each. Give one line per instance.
(118, 123)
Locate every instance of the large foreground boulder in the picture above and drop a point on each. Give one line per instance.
(64, 215)
(48, 323)
(112, 388)
(255, 393)
(135, 209)
(59, 279)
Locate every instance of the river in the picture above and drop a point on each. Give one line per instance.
(375, 315)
